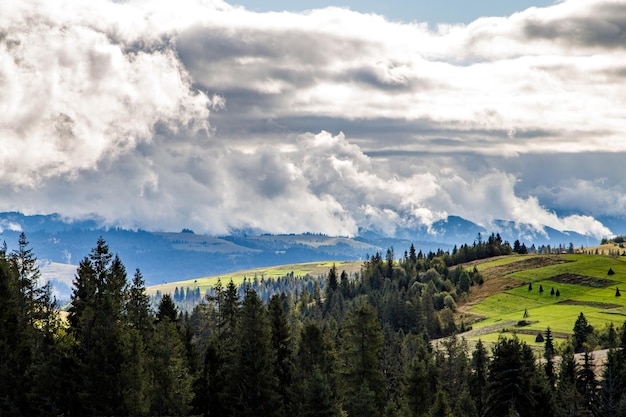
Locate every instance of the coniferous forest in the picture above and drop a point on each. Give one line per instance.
(354, 346)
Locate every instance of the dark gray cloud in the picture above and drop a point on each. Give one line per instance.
(603, 25)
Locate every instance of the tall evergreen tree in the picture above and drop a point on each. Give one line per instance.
(548, 355)
(611, 388)
(138, 304)
(478, 376)
(422, 381)
(582, 330)
(586, 383)
(251, 384)
(281, 346)
(362, 344)
(14, 351)
(512, 383)
(171, 385)
(95, 323)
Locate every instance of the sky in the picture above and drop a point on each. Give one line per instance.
(217, 117)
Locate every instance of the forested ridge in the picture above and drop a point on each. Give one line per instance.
(354, 346)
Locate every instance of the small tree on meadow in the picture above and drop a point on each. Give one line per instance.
(617, 294)
(530, 286)
(611, 272)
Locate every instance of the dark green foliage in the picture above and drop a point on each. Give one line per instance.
(250, 383)
(582, 330)
(282, 362)
(167, 309)
(422, 380)
(362, 346)
(477, 380)
(586, 384)
(548, 355)
(171, 384)
(611, 387)
(513, 384)
(342, 347)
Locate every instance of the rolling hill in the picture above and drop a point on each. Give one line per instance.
(518, 298)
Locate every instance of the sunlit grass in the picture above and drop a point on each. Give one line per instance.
(299, 270)
(600, 306)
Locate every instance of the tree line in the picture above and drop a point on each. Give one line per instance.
(358, 346)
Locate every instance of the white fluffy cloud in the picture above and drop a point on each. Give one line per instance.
(199, 114)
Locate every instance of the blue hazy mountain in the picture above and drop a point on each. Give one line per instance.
(174, 256)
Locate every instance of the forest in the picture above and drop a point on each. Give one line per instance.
(382, 343)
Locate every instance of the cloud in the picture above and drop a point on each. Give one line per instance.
(204, 115)
(74, 96)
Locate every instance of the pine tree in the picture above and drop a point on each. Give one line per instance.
(422, 381)
(167, 310)
(171, 385)
(586, 383)
(319, 400)
(362, 344)
(314, 355)
(13, 343)
(611, 387)
(95, 323)
(511, 385)
(281, 346)
(138, 305)
(478, 376)
(548, 355)
(251, 385)
(441, 407)
(582, 329)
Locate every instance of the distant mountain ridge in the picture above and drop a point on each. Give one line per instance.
(169, 256)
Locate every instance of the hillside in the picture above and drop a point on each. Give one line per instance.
(504, 304)
(173, 256)
(314, 269)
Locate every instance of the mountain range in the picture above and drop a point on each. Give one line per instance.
(60, 244)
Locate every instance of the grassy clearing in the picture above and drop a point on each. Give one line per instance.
(302, 269)
(599, 304)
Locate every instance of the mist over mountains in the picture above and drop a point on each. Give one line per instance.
(60, 244)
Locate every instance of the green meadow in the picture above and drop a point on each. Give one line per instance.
(298, 270)
(582, 281)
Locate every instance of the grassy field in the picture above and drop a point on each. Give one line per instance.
(311, 268)
(582, 281)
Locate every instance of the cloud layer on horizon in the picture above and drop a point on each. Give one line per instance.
(204, 115)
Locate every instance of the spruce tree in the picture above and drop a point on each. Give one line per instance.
(548, 355)
(251, 385)
(171, 385)
(362, 344)
(512, 384)
(478, 376)
(586, 383)
(281, 346)
(611, 387)
(96, 324)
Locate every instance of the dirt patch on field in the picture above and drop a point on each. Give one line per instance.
(496, 279)
(524, 264)
(595, 304)
(582, 280)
